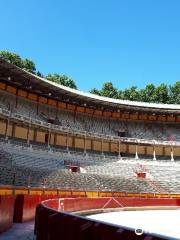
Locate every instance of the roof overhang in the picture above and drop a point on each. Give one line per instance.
(42, 86)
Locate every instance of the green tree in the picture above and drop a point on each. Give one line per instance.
(62, 79)
(108, 90)
(131, 94)
(148, 94)
(95, 91)
(29, 66)
(15, 59)
(12, 58)
(162, 94)
(174, 93)
(120, 94)
(39, 74)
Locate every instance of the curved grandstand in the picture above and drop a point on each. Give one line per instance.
(57, 140)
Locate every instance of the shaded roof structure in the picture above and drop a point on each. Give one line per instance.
(33, 83)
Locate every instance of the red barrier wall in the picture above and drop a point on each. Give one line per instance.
(6, 212)
(53, 225)
(25, 206)
(78, 204)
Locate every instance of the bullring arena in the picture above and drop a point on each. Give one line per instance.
(65, 154)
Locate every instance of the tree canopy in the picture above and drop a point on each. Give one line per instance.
(108, 90)
(15, 59)
(62, 79)
(151, 93)
(160, 94)
(30, 66)
(174, 95)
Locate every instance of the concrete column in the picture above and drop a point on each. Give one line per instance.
(49, 136)
(154, 153)
(119, 154)
(136, 155)
(29, 181)
(172, 154)
(28, 141)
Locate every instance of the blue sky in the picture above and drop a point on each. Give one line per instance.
(127, 42)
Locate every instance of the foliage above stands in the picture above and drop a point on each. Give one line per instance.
(62, 79)
(151, 93)
(15, 59)
(30, 66)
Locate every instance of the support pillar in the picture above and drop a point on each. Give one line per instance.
(172, 154)
(136, 155)
(28, 133)
(119, 152)
(154, 153)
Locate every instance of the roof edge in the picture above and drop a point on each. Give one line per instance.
(94, 97)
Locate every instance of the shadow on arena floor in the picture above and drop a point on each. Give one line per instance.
(22, 231)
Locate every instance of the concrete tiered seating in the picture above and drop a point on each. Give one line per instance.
(33, 166)
(7, 100)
